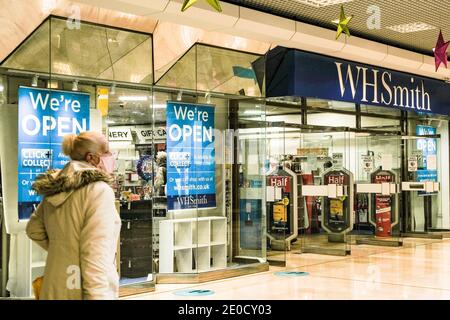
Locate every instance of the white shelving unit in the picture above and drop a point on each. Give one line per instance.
(192, 245)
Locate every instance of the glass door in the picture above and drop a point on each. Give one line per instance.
(377, 175)
(427, 178)
(327, 190)
(281, 193)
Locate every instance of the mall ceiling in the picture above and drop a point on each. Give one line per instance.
(409, 24)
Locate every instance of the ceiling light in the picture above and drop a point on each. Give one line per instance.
(208, 98)
(179, 95)
(253, 112)
(34, 83)
(322, 3)
(411, 27)
(113, 89)
(2, 88)
(133, 98)
(75, 85)
(52, 84)
(159, 106)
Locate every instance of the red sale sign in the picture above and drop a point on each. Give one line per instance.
(283, 182)
(383, 209)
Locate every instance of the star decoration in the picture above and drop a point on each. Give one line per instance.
(343, 24)
(440, 51)
(213, 3)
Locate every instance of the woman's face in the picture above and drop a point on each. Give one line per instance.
(103, 160)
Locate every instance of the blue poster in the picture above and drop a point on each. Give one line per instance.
(191, 164)
(45, 117)
(428, 147)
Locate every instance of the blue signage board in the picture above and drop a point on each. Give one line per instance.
(45, 117)
(295, 73)
(191, 165)
(428, 148)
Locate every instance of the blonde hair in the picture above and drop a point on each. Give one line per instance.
(77, 146)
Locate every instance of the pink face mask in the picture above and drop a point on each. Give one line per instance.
(108, 162)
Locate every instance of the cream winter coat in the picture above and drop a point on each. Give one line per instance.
(77, 223)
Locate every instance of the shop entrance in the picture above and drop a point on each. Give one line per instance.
(426, 176)
(378, 173)
(310, 182)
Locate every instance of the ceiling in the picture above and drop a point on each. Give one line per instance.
(435, 13)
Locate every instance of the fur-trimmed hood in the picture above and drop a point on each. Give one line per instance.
(58, 185)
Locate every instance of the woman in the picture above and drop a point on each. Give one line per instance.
(77, 223)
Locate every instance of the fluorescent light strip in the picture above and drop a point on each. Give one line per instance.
(253, 112)
(411, 27)
(133, 98)
(321, 3)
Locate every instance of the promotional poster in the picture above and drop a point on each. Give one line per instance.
(428, 148)
(45, 117)
(191, 165)
(383, 208)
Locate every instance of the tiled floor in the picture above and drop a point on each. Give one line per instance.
(418, 270)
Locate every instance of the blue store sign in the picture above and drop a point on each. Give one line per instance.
(292, 72)
(45, 117)
(191, 172)
(428, 148)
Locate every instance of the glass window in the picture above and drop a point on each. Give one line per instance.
(380, 124)
(331, 119)
(89, 60)
(212, 69)
(37, 45)
(380, 110)
(330, 104)
(91, 51)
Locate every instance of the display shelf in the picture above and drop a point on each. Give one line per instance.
(176, 248)
(217, 243)
(218, 256)
(201, 233)
(182, 234)
(189, 245)
(201, 245)
(183, 260)
(218, 230)
(202, 258)
(38, 264)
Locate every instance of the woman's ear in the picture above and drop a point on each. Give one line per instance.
(91, 158)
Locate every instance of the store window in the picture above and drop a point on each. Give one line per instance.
(382, 124)
(331, 105)
(220, 227)
(111, 70)
(380, 110)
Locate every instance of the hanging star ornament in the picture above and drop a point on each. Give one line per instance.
(213, 3)
(343, 24)
(440, 52)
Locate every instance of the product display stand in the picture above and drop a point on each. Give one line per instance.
(193, 245)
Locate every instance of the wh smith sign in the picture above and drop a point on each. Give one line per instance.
(295, 73)
(191, 164)
(45, 117)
